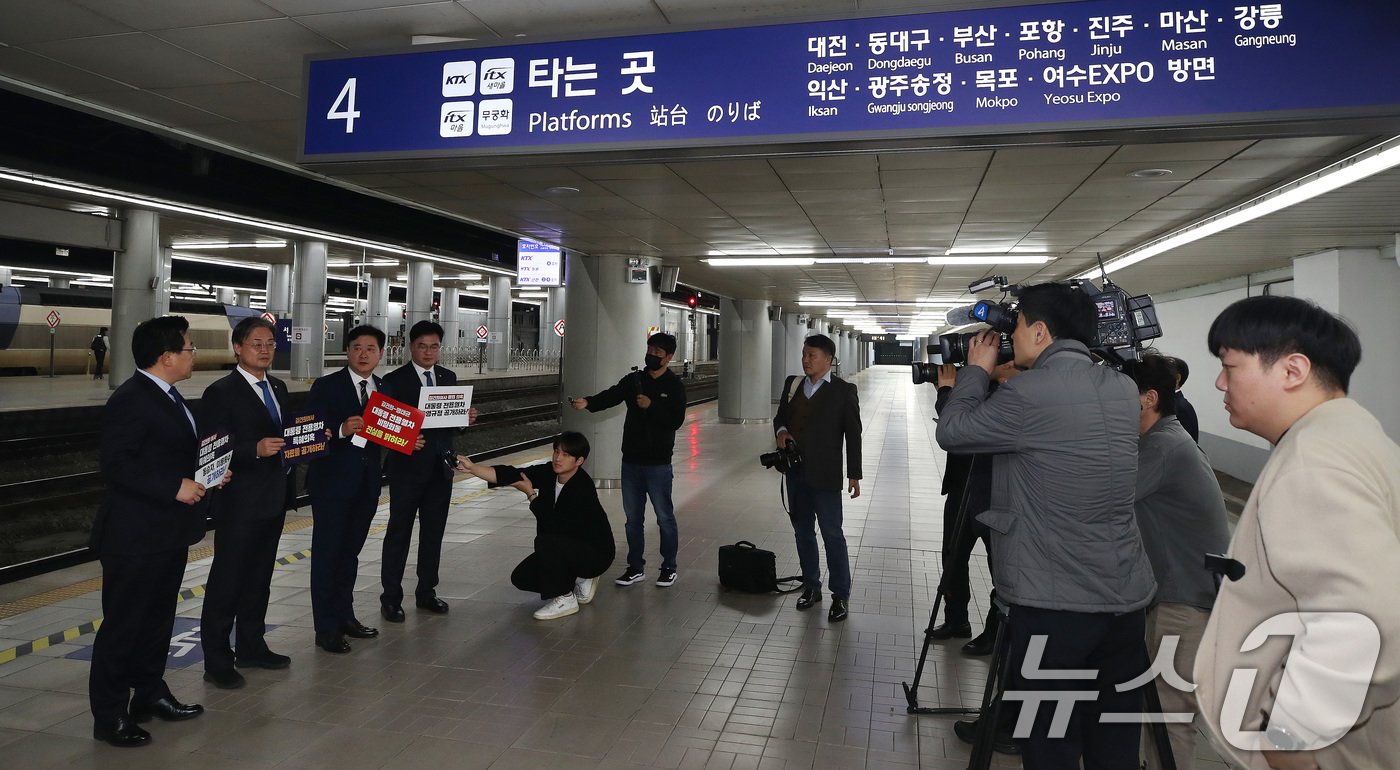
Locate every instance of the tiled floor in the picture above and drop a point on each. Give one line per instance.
(644, 677)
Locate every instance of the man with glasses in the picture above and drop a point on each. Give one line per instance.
(420, 484)
(150, 515)
(248, 405)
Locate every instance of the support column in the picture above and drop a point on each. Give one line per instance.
(6, 278)
(702, 337)
(279, 290)
(451, 323)
(745, 361)
(377, 314)
(781, 354)
(498, 321)
(684, 336)
(606, 336)
(223, 296)
(243, 298)
(309, 310)
(419, 304)
(60, 282)
(551, 312)
(140, 288)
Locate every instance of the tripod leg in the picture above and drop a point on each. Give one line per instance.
(988, 721)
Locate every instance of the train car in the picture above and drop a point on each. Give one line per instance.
(25, 336)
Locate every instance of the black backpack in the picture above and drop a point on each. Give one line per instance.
(98, 346)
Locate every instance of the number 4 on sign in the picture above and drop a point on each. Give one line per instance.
(344, 107)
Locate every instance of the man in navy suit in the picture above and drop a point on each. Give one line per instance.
(420, 484)
(248, 405)
(344, 488)
(148, 519)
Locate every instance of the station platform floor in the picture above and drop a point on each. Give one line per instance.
(643, 677)
(70, 390)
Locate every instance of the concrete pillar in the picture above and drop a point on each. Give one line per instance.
(498, 322)
(551, 312)
(606, 337)
(223, 296)
(377, 314)
(279, 290)
(6, 277)
(685, 336)
(702, 337)
(309, 310)
(420, 293)
(745, 361)
(451, 325)
(140, 288)
(794, 332)
(60, 282)
(780, 353)
(243, 298)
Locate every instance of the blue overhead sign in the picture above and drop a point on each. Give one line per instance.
(1075, 65)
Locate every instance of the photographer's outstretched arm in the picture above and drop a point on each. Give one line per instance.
(483, 472)
(852, 428)
(972, 423)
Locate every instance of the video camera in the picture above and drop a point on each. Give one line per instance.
(1124, 324)
(782, 459)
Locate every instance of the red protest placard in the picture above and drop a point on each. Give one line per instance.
(391, 423)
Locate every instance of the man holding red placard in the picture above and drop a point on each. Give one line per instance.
(344, 488)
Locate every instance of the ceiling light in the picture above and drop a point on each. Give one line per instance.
(1370, 162)
(760, 261)
(1150, 173)
(562, 190)
(871, 260)
(991, 259)
(225, 262)
(815, 302)
(247, 245)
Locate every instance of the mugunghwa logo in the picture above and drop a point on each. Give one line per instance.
(458, 119)
(497, 76)
(459, 78)
(494, 117)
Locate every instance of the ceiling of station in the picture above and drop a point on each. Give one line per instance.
(230, 73)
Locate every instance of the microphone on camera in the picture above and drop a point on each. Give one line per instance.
(961, 316)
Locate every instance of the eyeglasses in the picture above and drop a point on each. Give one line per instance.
(191, 350)
(261, 345)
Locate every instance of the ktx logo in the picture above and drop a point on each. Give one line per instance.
(459, 78)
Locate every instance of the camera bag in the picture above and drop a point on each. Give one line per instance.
(748, 568)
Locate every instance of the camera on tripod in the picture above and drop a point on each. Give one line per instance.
(782, 459)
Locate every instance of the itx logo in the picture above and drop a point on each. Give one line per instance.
(458, 119)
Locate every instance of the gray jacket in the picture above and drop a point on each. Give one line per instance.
(1064, 433)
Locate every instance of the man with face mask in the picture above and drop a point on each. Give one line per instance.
(655, 401)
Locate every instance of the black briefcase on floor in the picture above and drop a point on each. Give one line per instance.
(748, 568)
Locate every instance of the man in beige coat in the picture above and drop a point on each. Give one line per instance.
(1300, 663)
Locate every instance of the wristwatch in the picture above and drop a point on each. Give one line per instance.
(1283, 739)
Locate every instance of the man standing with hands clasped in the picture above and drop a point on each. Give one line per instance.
(818, 412)
(655, 409)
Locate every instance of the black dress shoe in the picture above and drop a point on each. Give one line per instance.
(433, 605)
(268, 659)
(391, 612)
(333, 643)
(121, 732)
(948, 630)
(809, 598)
(982, 645)
(1002, 742)
(224, 679)
(359, 630)
(166, 709)
(838, 610)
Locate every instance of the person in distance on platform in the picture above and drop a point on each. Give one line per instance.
(1181, 513)
(573, 540)
(151, 513)
(248, 404)
(420, 484)
(655, 402)
(820, 412)
(99, 346)
(1319, 543)
(344, 487)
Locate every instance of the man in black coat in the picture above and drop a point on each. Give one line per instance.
(820, 412)
(344, 487)
(151, 514)
(420, 484)
(573, 540)
(249, 405)
(1185, 412)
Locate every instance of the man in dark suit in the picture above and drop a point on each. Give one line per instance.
(1185, 413)
(142, 533)
(248, 405)
(819, 412)
(344, 488)
(420, 484)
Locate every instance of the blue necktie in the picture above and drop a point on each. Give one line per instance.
(269, 403)
(428, 376)
(180, 402)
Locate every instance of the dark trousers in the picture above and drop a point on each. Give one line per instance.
(557, 561)
(426, 498)
(341, 526)
(100, 356)
(957, 553)
(139, 594)
(1111, 644)
(245, 551)
(809, 509)
(638, 483)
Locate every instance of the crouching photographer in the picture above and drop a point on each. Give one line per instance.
(1070, 560)
(816, 413)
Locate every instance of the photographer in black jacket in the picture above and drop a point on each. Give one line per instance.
(655, 401)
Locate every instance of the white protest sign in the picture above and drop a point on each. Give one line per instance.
(215, 456)
(445, 406)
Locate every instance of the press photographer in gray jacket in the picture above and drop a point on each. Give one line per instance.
(1069, 558)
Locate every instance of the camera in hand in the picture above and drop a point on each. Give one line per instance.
(782, 459)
